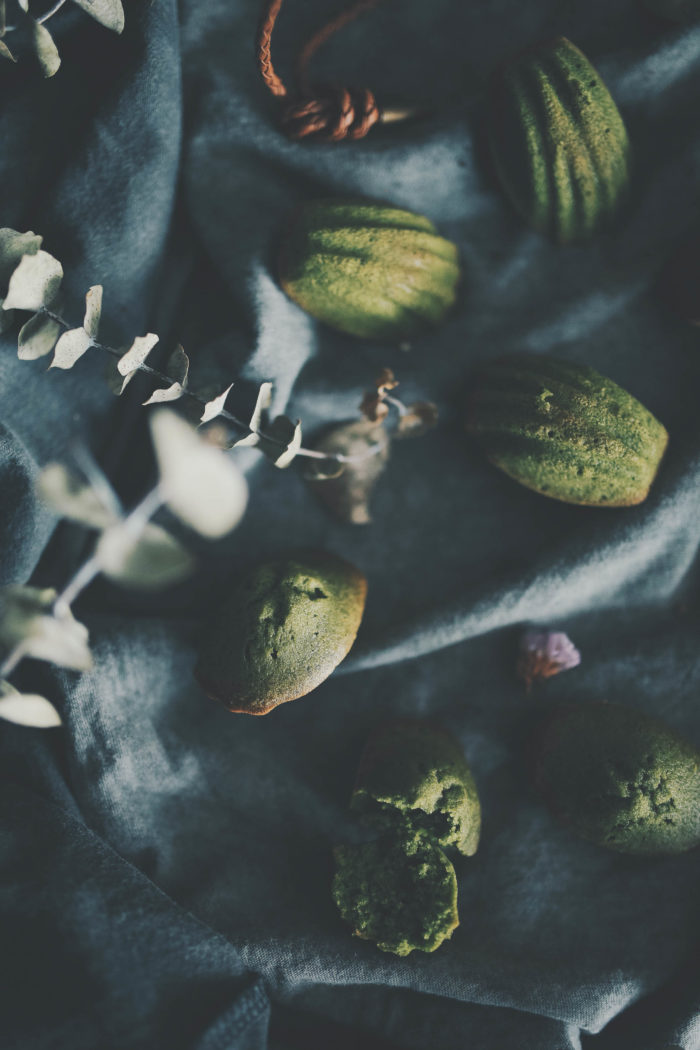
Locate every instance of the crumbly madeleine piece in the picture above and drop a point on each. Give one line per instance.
(399, 891)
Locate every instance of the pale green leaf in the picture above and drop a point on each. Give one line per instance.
(200, 483)
(5, 51)
(72, 498)
(7, 318)
(178, 369)
(37, 337)
(93, 311)
(215, 407)
(281, 441)
(70, 348)
(263, 402)
(13, 245)
(27, 709)
(136, 355)
(45, 49)
(29, 625)
(147, 561)
(34, 283)
(109, 13)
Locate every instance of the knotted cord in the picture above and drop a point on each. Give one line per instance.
(323, 112)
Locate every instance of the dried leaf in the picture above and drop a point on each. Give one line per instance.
(37, 337)
(178, 368)
(215, 407)
(109, 13)
(347, 494)
(24, 4)
(148, 561)
(70, 348)
(136, 355)
(68, 496)
(27, 709)
(200, 483)
(6, 53)
(34, 283)
(417, 419)
(29, 625)
(3, 22)
(45, 49)
(93, 311)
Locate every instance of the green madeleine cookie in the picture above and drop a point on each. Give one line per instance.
(620, 779)
(399, 891)
(565, 431)
(284, 629)
(368, 269)
(558, 142)
(418, 771)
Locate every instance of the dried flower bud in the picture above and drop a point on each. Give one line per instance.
(545, 653)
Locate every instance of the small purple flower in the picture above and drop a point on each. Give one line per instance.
(545, 653)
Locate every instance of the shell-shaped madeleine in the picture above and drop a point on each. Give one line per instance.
(558, 141)
(565, 431)
(368, 269)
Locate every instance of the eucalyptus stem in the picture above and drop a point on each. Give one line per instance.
(134, 523)
(51, 12)
(11, 660)
(84, 576)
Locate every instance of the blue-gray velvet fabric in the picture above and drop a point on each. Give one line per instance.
(165, 864)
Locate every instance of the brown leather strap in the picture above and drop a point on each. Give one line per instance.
(323, 112)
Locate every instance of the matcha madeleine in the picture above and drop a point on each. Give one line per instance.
(620, 779)
(399, 891)
(418, 771)
(282, 631)
(565, 431)
(368, 269)
(558, 142)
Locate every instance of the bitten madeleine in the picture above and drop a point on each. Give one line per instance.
(565, 431)
(620, 779)
(558, 142)
(368, 269)
(399, 891)
(413, 770)
(415, 798)
(284, 629)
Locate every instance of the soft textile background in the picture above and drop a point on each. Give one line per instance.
(165, 865)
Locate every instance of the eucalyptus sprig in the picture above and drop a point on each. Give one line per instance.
(197, 482)
(33, 280)
(357, 451)
(36, 40)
